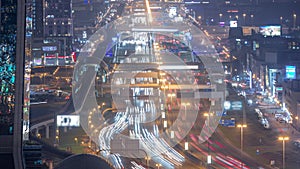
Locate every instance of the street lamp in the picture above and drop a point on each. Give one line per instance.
(158, 165)
(294, 16)
(164, 87)
(283, 139)
(252, 18)
(199, 18)
(297, 118)
(162, 73)
(147, 161)
(244, 16)
(237, 17)
(185, 104)
(241, 126)
(39, 135)
(281, 19)
(208, 149)
(207, 115)
(171, 95)
(57, 138)
(208, 118)
(220, 15)
(76, 140)
(163, 81)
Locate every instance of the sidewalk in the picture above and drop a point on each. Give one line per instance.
(272, 111)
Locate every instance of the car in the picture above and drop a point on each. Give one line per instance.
(263, 121)
(296, 143)
(259, 113)
(266, 126)
(281, 120)
(113, 10)
(278, 116)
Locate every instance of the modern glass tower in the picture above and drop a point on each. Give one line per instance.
(12, 27)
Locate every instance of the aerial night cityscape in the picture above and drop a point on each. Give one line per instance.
(150, 84)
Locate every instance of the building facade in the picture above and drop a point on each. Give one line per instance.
(12, 27)
(291, 101)
(52, 26)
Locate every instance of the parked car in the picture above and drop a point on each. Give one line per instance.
(296, 143)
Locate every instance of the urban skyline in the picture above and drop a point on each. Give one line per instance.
(209, 84)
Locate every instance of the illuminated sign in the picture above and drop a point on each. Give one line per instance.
(227, 105)
(274, 30)
(290, 72)
(233, 24)
(172, 12)
(49, 48)
(68, 120)
(233, 105)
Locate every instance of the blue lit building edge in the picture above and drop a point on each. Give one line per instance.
(8, 29)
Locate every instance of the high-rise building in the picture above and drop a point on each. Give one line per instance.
(52, 26)
(12, 27)
(35, 11)
(58, 18)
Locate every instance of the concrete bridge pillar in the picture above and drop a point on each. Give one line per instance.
(36, 131)
(65, 129)
(50, 164)
(47, 131)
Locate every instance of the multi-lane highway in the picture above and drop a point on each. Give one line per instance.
(163, 84)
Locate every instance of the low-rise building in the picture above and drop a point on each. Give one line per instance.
(291, 100)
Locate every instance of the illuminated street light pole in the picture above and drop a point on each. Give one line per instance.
(242, 126)
(208, 149)
(76, 140)
(158, 165)
(242, 146)
(185, 104)
(294, 16)
(199, 18)
(147, 161)
(283, 139)
(39, 135)
(164, 87)
(244, 16)
(171, 95)
(296, 118)
(57, 138)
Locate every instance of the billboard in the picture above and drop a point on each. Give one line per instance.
(233, 24)
(270, 30)
(233, 105)
(290, 72)
(49, 48)
(68, 121)
(227, 122)
(247, 30)
(172, 12)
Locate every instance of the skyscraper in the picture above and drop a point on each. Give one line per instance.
(12, 27)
